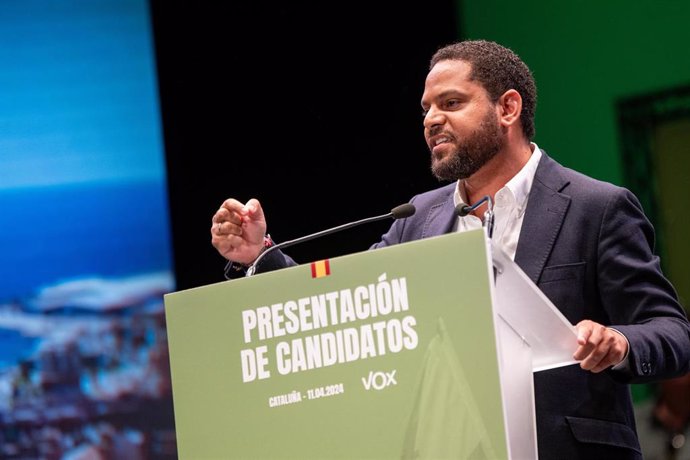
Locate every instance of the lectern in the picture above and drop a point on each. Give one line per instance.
(421, 350)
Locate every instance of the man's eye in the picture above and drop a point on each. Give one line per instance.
(424, 113)
(453, 103)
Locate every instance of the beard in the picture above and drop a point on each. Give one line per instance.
(472, 153)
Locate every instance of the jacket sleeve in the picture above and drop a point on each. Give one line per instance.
(641, 303)
(396, 233)
(273, 261)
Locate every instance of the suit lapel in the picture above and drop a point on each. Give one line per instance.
(546, 210)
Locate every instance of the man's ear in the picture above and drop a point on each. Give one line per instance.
(509, 108)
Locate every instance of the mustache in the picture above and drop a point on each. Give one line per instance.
(436, 130)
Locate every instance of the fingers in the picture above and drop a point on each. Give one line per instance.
(223, 225)
(230, 211)
(253, 209)
(226, 228)
(233, 206)
(232, 214)
(236, 213)
(599, 347)
(223, 215)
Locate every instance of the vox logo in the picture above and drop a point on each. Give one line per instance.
(379, 380)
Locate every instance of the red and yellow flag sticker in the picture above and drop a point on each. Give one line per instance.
(320, 268)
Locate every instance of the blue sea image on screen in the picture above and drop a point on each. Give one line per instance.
(84, 234)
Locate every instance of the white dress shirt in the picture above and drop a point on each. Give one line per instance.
(509, 206)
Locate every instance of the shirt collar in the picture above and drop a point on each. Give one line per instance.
(519, 185)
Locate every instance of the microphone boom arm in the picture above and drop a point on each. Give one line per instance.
(402, 211)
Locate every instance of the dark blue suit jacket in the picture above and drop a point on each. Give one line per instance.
(588, 246)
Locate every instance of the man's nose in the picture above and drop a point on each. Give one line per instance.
(433, 118)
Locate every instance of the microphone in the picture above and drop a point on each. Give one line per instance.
(399, 212)
(462, 210)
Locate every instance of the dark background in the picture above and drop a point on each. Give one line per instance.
(314, 110)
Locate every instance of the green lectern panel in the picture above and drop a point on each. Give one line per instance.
(388, 353)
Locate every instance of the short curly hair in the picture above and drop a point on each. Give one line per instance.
(498, 69)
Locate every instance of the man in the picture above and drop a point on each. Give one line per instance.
(585, 243)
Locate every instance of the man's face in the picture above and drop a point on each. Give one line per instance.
(460, 123)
